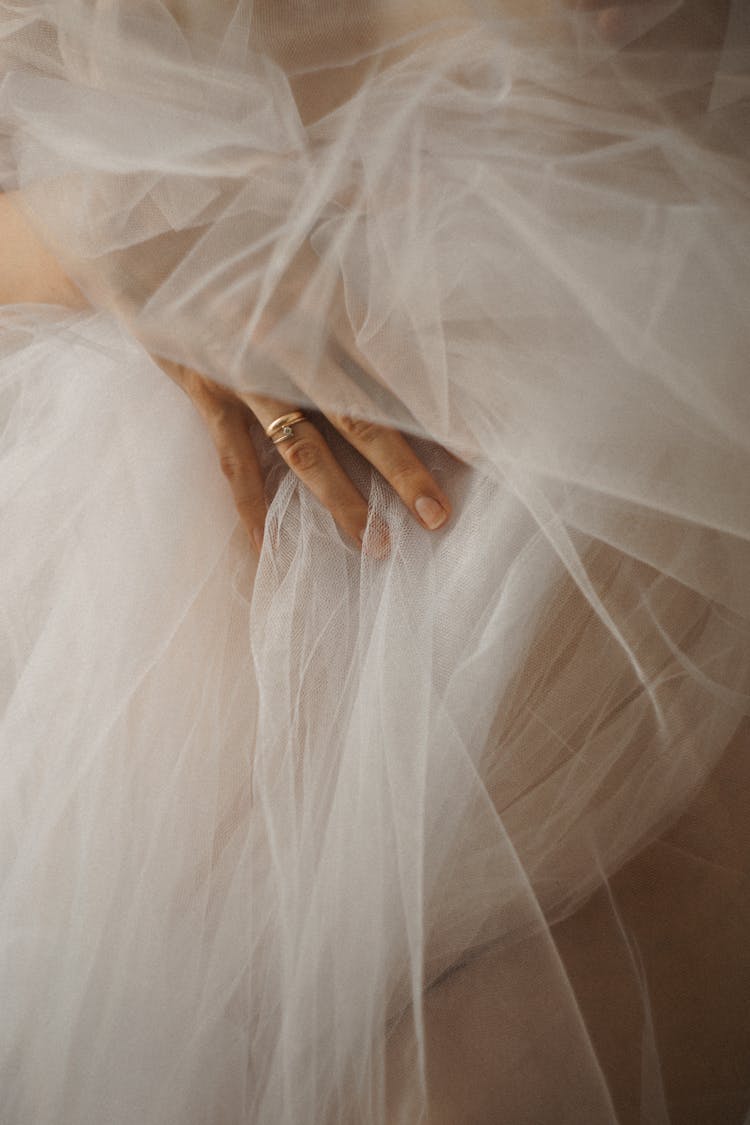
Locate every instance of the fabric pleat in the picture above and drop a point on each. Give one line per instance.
(451, 829)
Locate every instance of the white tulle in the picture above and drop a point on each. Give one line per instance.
(260, 824)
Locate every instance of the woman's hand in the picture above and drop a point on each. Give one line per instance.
(229, 418)
(30, 273)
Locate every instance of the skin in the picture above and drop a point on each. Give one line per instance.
(228, 417)
(30, 273)
(696, 980)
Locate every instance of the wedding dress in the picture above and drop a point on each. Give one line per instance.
(452, 835)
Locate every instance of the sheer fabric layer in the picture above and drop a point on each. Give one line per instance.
(267, 835)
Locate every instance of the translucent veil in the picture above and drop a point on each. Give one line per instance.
(266, 833)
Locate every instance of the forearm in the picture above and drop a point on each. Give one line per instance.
(29, 273)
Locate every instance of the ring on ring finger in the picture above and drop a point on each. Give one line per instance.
(282, 428)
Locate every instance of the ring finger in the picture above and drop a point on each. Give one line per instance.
(308, 455)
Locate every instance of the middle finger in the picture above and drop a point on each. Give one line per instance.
(389, 452)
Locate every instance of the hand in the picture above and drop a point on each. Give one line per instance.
(229, 417)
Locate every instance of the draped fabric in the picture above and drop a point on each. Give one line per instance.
(450, 835)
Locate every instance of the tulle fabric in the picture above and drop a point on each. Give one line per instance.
(354, 838)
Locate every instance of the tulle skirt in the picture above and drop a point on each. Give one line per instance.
(249, 817)
(454, 832)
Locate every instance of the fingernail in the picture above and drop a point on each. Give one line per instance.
(258, 540)
(432, 514)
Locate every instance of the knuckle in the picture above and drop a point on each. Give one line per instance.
(303, 455)
(359, 429)
(405, 472)
(230, 464)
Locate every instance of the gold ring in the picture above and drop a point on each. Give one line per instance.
(282, 429)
